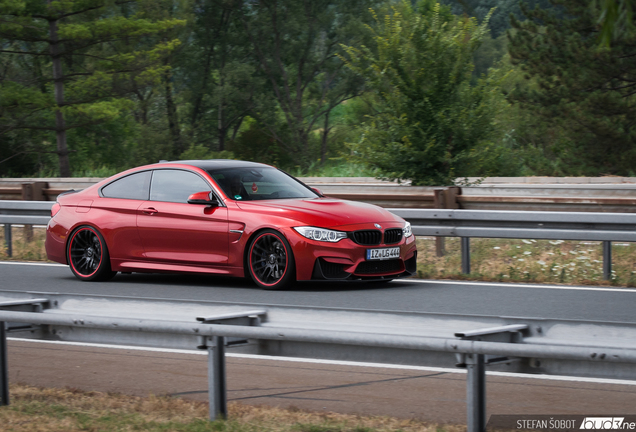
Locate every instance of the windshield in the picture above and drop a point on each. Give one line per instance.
(245, 184)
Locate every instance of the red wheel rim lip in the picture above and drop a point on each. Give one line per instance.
(286, 259)
(101, 257)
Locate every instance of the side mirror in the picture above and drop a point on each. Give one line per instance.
(318, 191)
(203, 198)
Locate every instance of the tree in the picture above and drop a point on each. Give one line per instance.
(616, 18)
(428, 125)
(295, 44)
(500, 11)
(219, 73)
(587, 91)
(65, 67)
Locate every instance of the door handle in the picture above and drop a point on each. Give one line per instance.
(150, 211)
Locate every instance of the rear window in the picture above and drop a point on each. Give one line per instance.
(133, 186)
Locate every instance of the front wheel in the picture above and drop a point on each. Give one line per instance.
(88, 255)
(270, 261)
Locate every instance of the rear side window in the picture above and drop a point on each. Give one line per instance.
(176, 185)
(133, 186)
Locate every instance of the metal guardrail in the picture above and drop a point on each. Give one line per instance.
(22, 213)
(521, 224)
(604, 227)
(523, 345)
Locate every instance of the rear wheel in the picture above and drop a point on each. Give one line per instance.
(88, 255)
(270, 261)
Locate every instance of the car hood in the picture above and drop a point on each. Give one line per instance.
(323, 212)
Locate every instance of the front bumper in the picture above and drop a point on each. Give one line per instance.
(347, 260)
(365, 270)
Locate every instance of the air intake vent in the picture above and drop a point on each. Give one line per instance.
(367, 237)
(333, 270)
(379, 267)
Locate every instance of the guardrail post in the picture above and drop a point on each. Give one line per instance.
(476, 393)
(475, 365)
(217, 391)
(35, 305)
(8, 240)
(4, 366)
(607, 260)
(465, 243)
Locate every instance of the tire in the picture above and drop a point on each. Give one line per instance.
(87, 255)
(270, 261)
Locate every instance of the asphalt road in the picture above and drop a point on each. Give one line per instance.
(492, 299)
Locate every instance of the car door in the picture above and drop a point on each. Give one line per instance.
(173, 231)
(115, 212)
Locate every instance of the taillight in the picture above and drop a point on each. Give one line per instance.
(56, 208)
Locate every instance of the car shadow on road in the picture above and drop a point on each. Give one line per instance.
(194, 280)
(241, 283)
(331, 286)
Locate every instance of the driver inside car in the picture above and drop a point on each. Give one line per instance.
(237, 190)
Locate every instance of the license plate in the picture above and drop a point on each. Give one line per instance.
(383, 254)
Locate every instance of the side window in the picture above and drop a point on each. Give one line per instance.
(134, 186)
(175, 185)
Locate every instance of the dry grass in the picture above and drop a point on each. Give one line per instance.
(24, 250)
(67, 410)
(537, 261)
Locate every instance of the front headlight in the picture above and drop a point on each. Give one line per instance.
(407, 230)
(321, 234)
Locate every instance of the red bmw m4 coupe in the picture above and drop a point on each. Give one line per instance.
(225, 217)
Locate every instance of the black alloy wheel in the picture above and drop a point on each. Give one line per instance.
(270, 260)
(88, 255)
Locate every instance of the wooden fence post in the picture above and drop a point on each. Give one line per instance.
(32, 192)
(445, 198)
